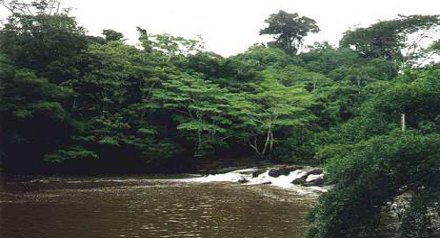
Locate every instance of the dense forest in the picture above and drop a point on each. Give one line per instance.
(368, 110)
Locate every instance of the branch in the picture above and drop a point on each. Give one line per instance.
(4, 4)
(183, 112)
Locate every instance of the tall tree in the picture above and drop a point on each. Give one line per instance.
(289, 30)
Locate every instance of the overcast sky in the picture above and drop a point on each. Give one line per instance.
(230, 26)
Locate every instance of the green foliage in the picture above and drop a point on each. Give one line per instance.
(419, 100)
(297, 76)
(259, 57)
(415, 220)
(435, 46)
(73, 152)
(324, 58)
(25, 95)
(168, 45)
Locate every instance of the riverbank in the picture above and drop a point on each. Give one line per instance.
(135, 166)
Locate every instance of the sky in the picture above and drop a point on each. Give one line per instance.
(229, 27)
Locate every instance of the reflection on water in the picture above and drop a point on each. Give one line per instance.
(136, 207)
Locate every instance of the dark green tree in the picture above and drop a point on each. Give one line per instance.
(33, 117)
(111, 35)
(289, 30)
(372, 173)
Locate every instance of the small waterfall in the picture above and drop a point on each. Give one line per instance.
(300, 180)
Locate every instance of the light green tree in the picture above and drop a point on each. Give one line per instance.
(202, 110)
(276, 107)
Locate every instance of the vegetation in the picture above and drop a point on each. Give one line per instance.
(368, 110)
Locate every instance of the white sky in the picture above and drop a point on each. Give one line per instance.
(230, 26)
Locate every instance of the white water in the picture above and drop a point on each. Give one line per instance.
(283, 181)
(314, 177)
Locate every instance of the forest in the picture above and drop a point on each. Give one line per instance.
(368, 110)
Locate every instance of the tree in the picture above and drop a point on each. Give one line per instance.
(169, 45)
(371, 162)
(40, 38)
(289, 30)
(33, 116)
(111, 35)
(297, 76)
(113, 103)
(276, 107)
(202, 110)
(372, 173)
(259, 57)
(400, 40)
(324, 58)
(419, 100)
(34, 7)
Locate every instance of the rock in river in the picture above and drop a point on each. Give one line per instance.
(314, 180)
(283, 171)
(278, 172)
(315, 172)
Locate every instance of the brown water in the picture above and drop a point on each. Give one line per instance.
(140, 207)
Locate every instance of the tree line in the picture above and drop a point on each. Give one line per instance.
(74, 101)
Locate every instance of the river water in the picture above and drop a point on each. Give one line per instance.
(148, 207)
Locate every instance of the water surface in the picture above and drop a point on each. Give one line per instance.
(145, 207)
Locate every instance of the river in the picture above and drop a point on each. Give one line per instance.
(148, 207)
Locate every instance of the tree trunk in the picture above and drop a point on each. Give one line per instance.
(267, 142)
(73, 104)
(403, 122)
(254, 146)
(199, 143)
(271, 142)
